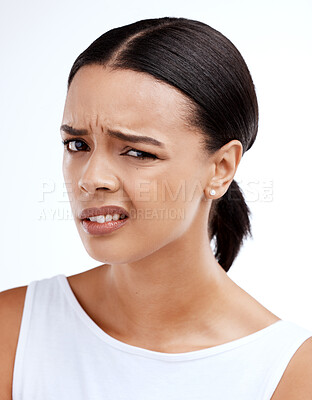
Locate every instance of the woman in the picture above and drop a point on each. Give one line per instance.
(157, 116)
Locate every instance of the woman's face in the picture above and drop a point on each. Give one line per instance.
(163, 193)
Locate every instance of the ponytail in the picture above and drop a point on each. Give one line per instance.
(229, 224)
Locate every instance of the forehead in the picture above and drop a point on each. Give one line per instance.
(125, 98)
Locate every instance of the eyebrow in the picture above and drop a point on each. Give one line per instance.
(116, 134)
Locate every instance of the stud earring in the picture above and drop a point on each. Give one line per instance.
(212, 192)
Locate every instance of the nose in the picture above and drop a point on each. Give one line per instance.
(98, 175)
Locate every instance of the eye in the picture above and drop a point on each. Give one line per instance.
(79, 145)
(143, 155)
(69, 141)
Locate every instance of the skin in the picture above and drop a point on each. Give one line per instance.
(160, 286)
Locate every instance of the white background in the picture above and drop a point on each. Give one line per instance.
(40, 41)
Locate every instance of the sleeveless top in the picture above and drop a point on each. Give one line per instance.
(63, 354)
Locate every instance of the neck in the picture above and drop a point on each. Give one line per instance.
(175, 288)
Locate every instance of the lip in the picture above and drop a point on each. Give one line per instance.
(95, 211)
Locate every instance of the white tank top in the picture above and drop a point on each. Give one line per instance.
(63, 354)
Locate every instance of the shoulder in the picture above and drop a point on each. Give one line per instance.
(296, 382)
(11, 311)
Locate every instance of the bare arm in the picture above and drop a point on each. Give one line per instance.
(296, 382)
(11, 311)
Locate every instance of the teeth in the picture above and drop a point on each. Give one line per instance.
(102, 218)
(98, 218)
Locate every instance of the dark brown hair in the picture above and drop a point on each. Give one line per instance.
(206, 67)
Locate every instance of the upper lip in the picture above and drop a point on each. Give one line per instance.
(93, 212)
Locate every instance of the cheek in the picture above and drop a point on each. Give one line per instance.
(69, 178)
(72, 174)
(67, 168)
(165, 203)
(178, 189)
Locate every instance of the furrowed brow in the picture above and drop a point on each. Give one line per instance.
(116, 134)
(134, 138)
(73, 131)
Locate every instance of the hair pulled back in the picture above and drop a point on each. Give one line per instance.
(206, 67)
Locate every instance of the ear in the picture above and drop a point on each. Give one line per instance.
(225, 162)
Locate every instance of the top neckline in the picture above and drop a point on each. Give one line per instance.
(191, 355)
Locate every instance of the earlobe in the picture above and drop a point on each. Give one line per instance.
(211, 193)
